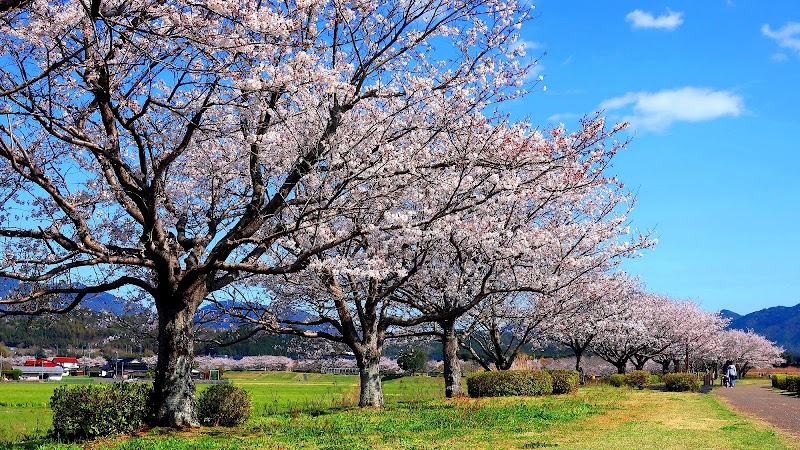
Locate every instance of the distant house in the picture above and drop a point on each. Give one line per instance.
(41, 372)
(125, 368)
(70, 365)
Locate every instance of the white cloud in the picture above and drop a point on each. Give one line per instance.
(787, 37)
(656, 111)
(642, 19)
(779, 57)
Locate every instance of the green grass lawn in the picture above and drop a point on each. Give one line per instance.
(313, 411)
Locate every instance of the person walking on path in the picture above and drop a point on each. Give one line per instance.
(730, 369)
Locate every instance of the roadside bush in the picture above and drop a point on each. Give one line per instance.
(616, 380)
(638, 379)
(13, 374)
(779, 381)
(89, 411)
(225, 405)
(792, 383)
(510, 383)
(564, 381)
(682, 382)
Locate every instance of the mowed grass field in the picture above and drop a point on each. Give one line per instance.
(314, 411)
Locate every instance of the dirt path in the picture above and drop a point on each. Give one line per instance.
(779, 410)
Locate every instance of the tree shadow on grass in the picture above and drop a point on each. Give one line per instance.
(391, 377)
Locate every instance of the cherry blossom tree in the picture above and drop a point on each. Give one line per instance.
(175, 149)
(693, 334)
(559, 226)
(585, 239)
(602, 301)
(637, 330)
(749, 350)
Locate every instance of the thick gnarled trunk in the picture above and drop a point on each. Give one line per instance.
(452, 365)
(174, 389)
(371, 390)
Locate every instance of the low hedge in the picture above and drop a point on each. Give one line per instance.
(503, 383)
(639, 379)
(616, 380)
(225, 405)
(564, 381)
(681, 382)
(89, 411)
(792, 383)
(779, 381)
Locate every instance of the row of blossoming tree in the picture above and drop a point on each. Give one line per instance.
(332, 170)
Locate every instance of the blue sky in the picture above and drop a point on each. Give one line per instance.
(712, 90)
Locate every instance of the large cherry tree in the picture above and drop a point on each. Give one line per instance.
(175, 149)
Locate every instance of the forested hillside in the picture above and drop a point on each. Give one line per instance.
(780, 324)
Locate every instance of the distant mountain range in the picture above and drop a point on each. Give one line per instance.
(780, 324)
(102, 302)
(105, 302)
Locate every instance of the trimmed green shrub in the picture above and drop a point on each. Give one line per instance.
(616, 380)
(656, 378)
(89, 411)
(13, 374)
(564, 381)
(225, 405)
(638, 379)
(682, 382)
(510, 383)
(792, 383)
(779, 381)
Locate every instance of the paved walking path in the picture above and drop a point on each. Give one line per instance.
(780, 410)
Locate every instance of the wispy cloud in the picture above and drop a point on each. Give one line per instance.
(642, 19)
(787, 36)
(563, 117)
(779, 57)
(656, 111)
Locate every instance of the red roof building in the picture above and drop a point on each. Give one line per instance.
(41, 362)
(61, 360)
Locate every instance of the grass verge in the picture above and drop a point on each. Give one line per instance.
(313, 411)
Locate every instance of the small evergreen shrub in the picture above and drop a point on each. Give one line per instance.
(681, 382)
(89, 411)
(225, 405)
(638, 379)
(792, 383)
(779, 381)
(510, 383)
(565, 381)
(616, 380)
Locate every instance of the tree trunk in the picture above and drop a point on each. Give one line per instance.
(369, 370)
(173, 389)
(578, 356)
(665, 366)
(621, 367)
(452, 365)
